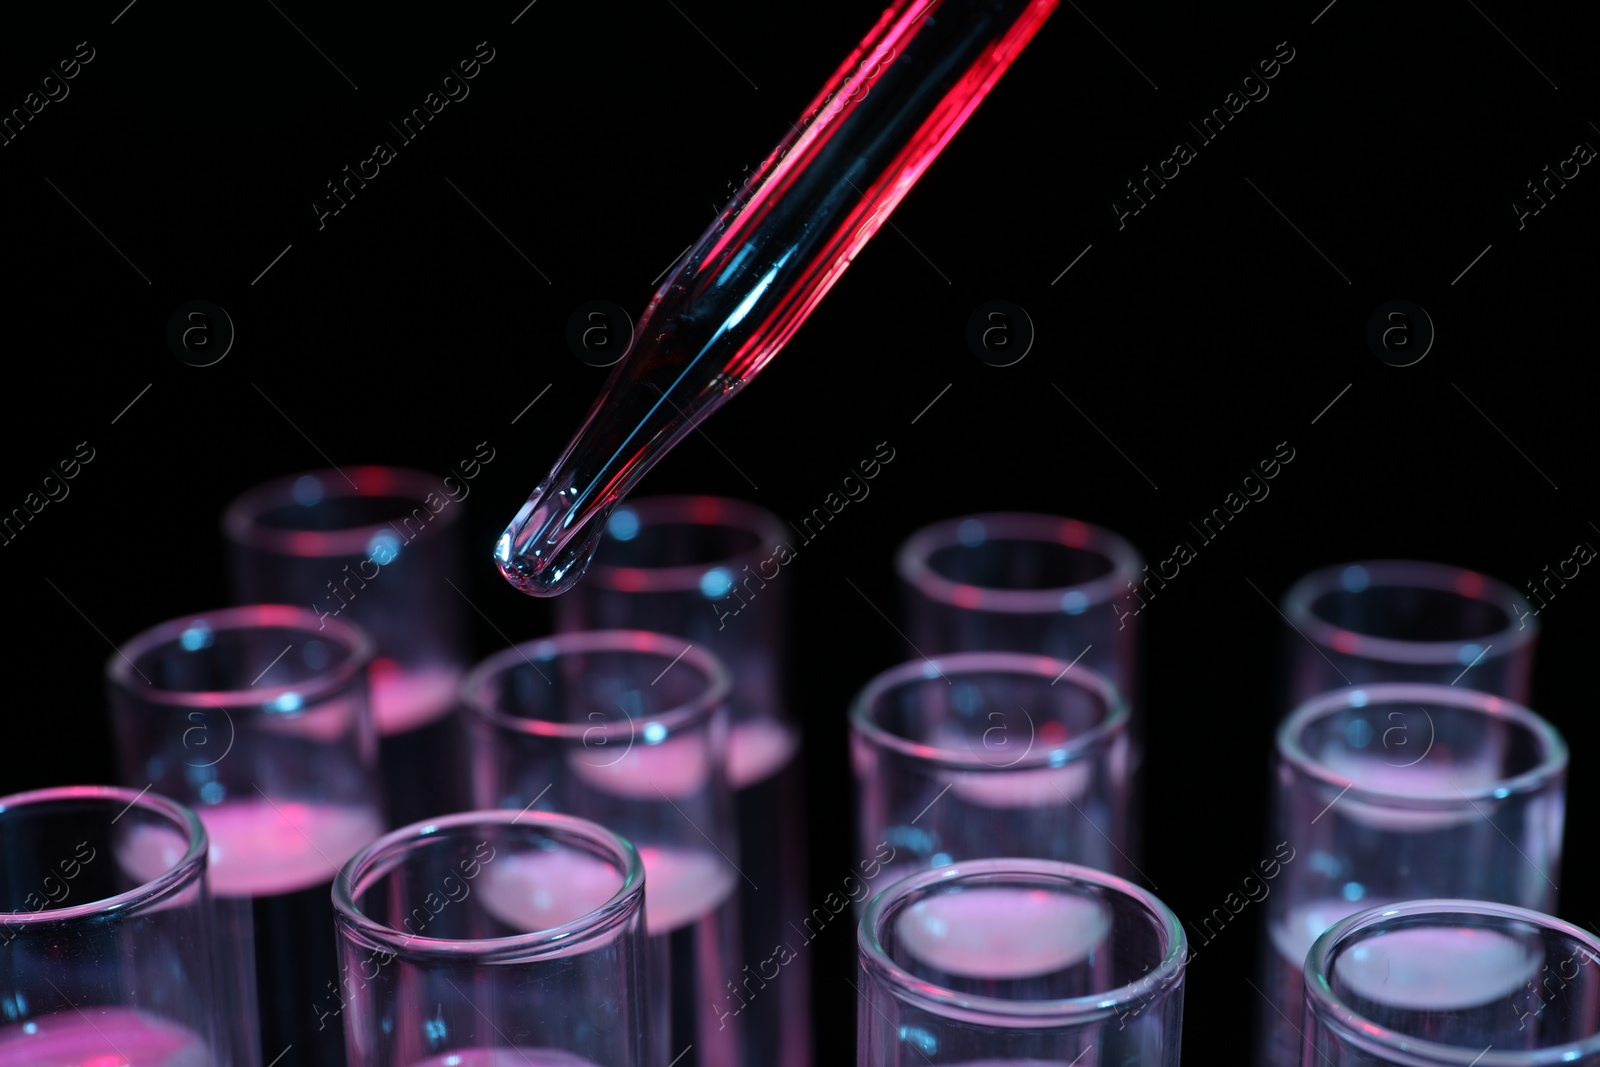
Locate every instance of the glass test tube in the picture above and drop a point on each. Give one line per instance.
(629, 729)
(1009, 582)
(494, 939)
(106, 951)
(1451, 983)
(1020, 963)
(989, 753)
(259, 717)
(1402, 621)
(1043, 584)
(1393, 792)
(379, 549)
(707, 569)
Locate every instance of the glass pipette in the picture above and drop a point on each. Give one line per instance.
(771, 255)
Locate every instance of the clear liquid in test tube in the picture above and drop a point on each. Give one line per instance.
(629, 729)
(1393, 792)
(259, 717)
(704, 568)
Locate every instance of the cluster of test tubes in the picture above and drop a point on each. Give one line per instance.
(336, 840)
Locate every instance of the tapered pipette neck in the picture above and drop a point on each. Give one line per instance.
(770, 257)
(650, 402)
(553, 537)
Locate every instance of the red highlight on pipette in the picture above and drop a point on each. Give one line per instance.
(769, 258)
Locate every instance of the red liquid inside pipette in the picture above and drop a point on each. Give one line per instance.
(768, 260)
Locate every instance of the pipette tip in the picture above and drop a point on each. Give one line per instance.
(541, 552)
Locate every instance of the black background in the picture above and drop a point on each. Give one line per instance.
(599, 140)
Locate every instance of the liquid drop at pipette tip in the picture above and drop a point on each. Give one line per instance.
(543, 552)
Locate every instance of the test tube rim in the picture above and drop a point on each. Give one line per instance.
(1070, 1011)
(1553, 745)
(241, 521)
(679, 578)
(1393, 1046)
(1415, 574)
(912, 562)
(358, 644)
(527, 947)
(1105, 733)
(192, 864)
(701, 708)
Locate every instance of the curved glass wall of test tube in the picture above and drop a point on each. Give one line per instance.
(1395, 792)
(1019, 963)
(380, 547)
(1041, 584)
(989, 753)
(1407, 621)
(260, 718)
(629, 729)
(106, 951)
(1453, 983)
(446, 964)
(713, 571)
